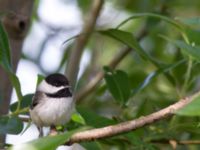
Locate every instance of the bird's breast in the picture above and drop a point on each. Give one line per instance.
(54, 111)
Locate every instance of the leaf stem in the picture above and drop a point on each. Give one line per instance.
(17, 112)
(187, 76)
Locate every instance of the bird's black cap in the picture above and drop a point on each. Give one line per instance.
(57, 80)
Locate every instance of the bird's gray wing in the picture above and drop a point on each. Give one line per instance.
(36, 99)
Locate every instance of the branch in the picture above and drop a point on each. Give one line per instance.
(16, 22)
(186, 142)
(127, 126)
(80, 43)
(174, 142)
(24, 118)
(84, 92)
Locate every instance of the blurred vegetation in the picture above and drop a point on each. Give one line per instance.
(162, 67)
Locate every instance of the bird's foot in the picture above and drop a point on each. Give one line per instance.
(53, 131)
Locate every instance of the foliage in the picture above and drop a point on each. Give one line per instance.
(162, 67)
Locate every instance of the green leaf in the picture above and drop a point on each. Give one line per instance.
(15, 82)
(10, 125)
(46, 143)
(154, 74)
(194, 21)
(91, 145)
(76, 117)
(118, 85)
(126, 38)
(189, 50)
(25, 102)
(5, 59)
(39, 79)
(134, 138)
(193, 36)
(84, 5)
(193, 51)
(164, 18)
(192, 109)
(93, 119)
(188, 126)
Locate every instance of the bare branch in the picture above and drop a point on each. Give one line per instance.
(124, 127)
(180, 142)
(186, 142)
(95, 80)
(24, 118)
(81, 41)
(84, 92)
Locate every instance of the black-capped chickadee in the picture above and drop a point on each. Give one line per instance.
(52, 103)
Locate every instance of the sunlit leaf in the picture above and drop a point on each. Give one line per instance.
(10, 125)
(118, 85)
(78, 118)
(46, 143)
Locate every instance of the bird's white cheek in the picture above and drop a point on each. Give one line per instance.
(47, 88)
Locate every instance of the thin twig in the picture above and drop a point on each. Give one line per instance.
(80, 95)
(24, 118)
(180, 142)
(84, 92)
(187, 142)
(81, 41)
(124, 127)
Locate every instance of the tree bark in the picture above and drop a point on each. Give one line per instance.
(16, 20)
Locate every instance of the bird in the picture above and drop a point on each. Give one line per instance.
(52, 103)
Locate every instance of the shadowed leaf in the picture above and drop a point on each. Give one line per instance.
(118, 85)
(10, 125)
(5, 59)
(93, 119)
(154, 74)
(25, 102)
